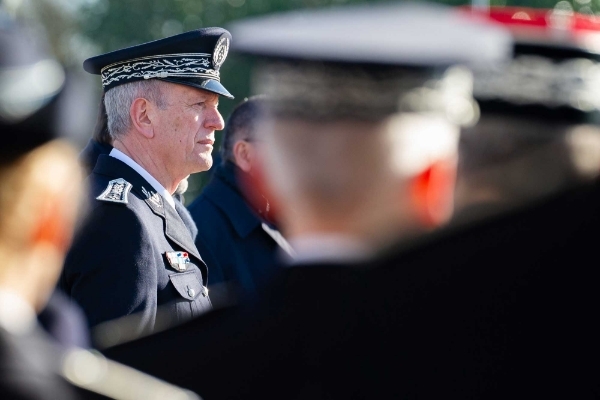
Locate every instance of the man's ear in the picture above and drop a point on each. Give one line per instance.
(256, 189)
(140, 112)
(432, 193)
(51, 225)
(242, 154)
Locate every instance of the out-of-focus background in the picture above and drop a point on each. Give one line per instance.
(78, 29)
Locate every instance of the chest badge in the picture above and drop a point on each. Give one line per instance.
(179, 260)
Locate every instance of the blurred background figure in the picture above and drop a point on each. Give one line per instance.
(358, 152)
(37, 221)
(237, 238)
(100, 142)
(538, 131)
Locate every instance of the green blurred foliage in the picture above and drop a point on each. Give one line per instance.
(90, 27)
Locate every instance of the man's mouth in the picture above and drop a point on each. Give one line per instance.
(207, 142)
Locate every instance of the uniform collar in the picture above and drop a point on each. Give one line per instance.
(174, 227)
(16, 315)
(223, 190)
(160, 189)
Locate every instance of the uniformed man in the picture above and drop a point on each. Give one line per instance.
(236, 235)
(37, 218)
(359, 148)
(134, 253)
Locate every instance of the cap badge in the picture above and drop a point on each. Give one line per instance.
(220, 53)
(116, 191)
(178, 259)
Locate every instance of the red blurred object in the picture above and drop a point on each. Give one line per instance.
(540, 23)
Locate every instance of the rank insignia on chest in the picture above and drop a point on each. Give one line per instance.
(116, 191)
(179, 260)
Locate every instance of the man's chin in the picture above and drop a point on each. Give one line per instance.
(204, 164)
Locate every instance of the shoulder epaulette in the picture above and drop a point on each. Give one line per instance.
(116, 191)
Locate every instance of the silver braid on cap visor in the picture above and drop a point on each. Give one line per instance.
(195, 65)
(536, 80)
(322, 92)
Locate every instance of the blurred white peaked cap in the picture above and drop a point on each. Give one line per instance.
(406, 34)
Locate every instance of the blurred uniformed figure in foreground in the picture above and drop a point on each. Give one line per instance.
(37, 218)
(135, 253)
(538, 132)
(236, 235)
(360, 146)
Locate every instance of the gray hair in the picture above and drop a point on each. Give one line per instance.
(118, 102)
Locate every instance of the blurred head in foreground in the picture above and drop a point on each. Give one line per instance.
(538, 131)
(39, 175)
(360, 137)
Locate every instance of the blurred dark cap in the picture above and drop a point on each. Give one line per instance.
(191, 58)
(370, 61)
(554, 75)
(30, 83)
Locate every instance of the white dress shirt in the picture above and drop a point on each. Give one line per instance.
(119, 155)
(314, 249)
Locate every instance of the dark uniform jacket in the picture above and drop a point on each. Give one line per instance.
(233, 240)
(125, 258)
(503, 309)
(88, 158)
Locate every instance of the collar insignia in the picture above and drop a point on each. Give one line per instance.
(153, 197)
(116, 191)
(178, 260)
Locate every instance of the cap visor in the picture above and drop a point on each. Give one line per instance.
(209, 85)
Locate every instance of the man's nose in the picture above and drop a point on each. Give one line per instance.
(214, 120)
